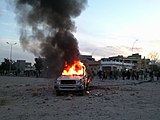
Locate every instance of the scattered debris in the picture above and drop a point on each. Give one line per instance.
(69, 97)
(27, 85)
(98, 94)
(114, 92)
(7, 86)
(3, 102)
(35, 93)
(127, 89)
(90, 102)
(46, 99)
(107, 98)
(132, 94)
(90, 96)
(55, 100)
(29, 89)
(21, 85)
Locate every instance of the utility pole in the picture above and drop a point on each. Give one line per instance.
(133, 45)
(10, 66)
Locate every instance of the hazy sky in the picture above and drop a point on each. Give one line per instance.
(105, 28)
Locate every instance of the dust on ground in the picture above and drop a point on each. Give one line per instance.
(23, 98)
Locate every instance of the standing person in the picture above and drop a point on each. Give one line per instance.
(128, 74)
(158, 74)
(93, 74)
(100, 74)
(151, 75)
(141, 72)
(115, 74)
(106, 74)
(103, 75)
(123, 74)
(145, 74)
(133, 75)
(137, 75)
(110, 75)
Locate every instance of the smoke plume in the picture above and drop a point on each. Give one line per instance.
(46, 30)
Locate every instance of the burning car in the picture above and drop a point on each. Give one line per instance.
(73, 79)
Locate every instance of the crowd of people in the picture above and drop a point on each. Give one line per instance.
(128, 74)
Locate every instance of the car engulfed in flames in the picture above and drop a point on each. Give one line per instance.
(73, 79)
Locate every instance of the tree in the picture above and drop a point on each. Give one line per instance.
(153, 56)
(39, 65)
(5, 66)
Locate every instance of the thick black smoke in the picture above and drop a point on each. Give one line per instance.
(46, 27)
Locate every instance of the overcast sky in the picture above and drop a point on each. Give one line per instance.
(105, 28)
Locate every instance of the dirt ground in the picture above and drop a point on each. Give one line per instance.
(23, 98)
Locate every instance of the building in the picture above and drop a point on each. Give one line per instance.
(145, 63)
(90, 63)
(22, 65)
(119, 62)
(110, 65)
(136, 60)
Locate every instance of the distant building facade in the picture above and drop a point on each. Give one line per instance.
(22, 65)
(110, 65)
(119, 62)
(90, 62)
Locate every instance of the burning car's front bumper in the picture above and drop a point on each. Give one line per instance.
(69, 87)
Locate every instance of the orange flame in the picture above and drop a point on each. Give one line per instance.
(77, 68)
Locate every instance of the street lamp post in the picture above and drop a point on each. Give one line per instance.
(11, 44)
(133, 45)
